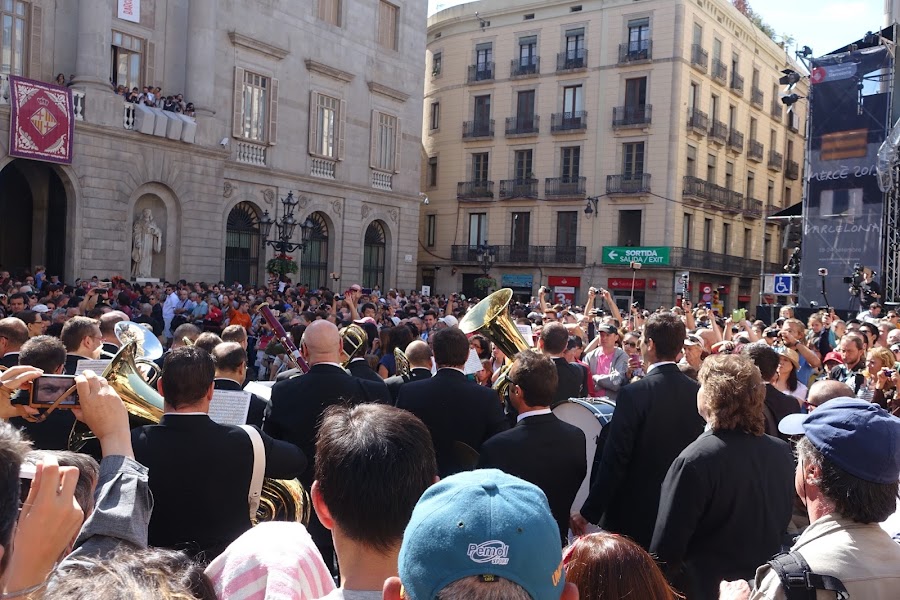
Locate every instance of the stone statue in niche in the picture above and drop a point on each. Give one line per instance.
(146, 240)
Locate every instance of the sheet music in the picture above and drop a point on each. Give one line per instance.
(97, 366)
(229, 407)
(263, 389)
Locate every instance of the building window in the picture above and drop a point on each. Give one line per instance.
(729, 175)
(14, 15)
(435, 116)
(523, 166)
(770, 193)
(242, 244)
(707, 235)
(638, 36)
(314, 268)
(573, 101)
(748, 242)
(711, 168)
(436, 63)
(567, 229)
(330, 11)
(482, 113)
(630, 227)
(571, 162)
(726, 238)
(477, 229)
(374, 252)
(753, 127)
(525, 110)
(520, 231)
(693, 96)
(481, 166)
(698, 34)
(385, 148)
(484, 65)
(388, 21)
(691, 161)
(127, 53)
(636, 92)
(528, 55)
(430, 229)
(432, 171)
(751, 184)
(687, 229)
(714, 107)
(633, 159)
(326, 134)
(574, 58)
(787, 197)
(255, 107)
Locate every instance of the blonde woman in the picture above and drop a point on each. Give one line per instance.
(879, 361)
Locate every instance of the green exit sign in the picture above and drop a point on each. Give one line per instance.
(646, 255)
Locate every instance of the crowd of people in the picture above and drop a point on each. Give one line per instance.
(148, 96)
(436, 460)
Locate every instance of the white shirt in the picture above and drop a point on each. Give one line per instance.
(169, 306)
(657, 364)
(533, 413)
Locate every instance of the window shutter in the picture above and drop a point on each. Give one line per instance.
(313, 121)
(151, 65)
(398, 139)
(36, 42)
(273, 111)
(343, 124)
(373, 141)
(237, 126)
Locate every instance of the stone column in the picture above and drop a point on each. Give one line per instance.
(201, 56)
(92, 66)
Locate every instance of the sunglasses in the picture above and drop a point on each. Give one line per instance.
(631, 344)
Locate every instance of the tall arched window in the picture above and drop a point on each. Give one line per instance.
(374, 256)
(242, 245)
(314, 268)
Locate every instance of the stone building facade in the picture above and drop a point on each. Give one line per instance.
(654, 130)
(319, 98)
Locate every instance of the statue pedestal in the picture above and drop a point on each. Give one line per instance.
(143, 280)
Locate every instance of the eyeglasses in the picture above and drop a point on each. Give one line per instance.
(631, 344)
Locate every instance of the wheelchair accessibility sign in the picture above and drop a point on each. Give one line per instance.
(783, 285)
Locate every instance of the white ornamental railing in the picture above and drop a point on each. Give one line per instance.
(251, 154)
(128, 116)
(322, 167)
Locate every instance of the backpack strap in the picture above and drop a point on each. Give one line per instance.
(799, 582)
(259, 470)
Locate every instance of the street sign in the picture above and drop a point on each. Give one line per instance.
(655, 256)
(782, 285)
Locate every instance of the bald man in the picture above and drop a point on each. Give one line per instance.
(419, 355)
(298, 403)
(13, 333)
(108, 322)
(824, 390)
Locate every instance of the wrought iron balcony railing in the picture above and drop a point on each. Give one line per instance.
(568, 121)
(776, 160)
(478, 129)
(755, 151)
(481, 72)
(525, 67)
(719, 71)
(699, 57)
(516, 254)
(698, 121)
(571, 60)
(791, 170)
(635, 51)
(632, 116)
(628, 183)
(475, 190)
(565, 187)
(518, 188)
(718, 132)
(523, 125)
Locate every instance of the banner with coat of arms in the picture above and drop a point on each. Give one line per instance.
(42, 121)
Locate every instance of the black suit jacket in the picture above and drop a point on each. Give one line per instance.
(50, 434)
(545, 451)
(298, 403)
(655, 419)
(200, 477)
(454, 409)
(777, 406)
(360, 368)
(571, 381)
(72, 363)
(10, 359)
(257, 411)
(416, 374)
(725, 503)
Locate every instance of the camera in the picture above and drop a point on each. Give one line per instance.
(823, 272)
(46, 390)
(771, 333)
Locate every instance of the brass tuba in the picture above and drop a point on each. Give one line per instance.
(354, 341)
(280, 499)
(402, 363)
(490, 318)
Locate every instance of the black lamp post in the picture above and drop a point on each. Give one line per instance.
(591, 207)
(286, 226)
(485, 256)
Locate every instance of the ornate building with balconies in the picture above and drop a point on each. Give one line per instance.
(323, 101)
(658, 126)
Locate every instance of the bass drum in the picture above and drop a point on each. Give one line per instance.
(590, 415)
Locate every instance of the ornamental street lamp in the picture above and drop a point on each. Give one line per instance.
(485, 256)
(286, 225)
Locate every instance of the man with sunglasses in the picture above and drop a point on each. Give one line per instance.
(608, 362)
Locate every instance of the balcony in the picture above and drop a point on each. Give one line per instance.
(571, 60)
(776, 109)
(756, 97)
(700, 189)
(481, 72)
(699, 58)
(251, 154)
(522, 126)
(518, 188)
(736, 140)
(698, 121)
(475, 190)
(737, 84)
(568, 122)
(481, 129)
(718, 132)
(755, 151)
(776, 161)
(629, 183)
(631, 116)
(565, 187)
(637, 51)
(693, 259)
(529, 255)
(753, 209)
(525, 67)
(719, 71)
(791, 170)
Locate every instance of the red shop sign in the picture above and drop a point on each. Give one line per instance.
(624, 283)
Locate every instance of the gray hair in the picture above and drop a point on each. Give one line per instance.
(474, 588)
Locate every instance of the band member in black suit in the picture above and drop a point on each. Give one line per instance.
(231, 369)
(655, 419)
(777, 405)
(453, 408)
(108, 322)
(358, 366)
(419, 354)
(83, 341)
(298, 403)
(13, 333)
(553, 341)
(540, 448)
(200, 471)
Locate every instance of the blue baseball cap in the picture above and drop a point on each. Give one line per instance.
(484, 523)
(861, 438)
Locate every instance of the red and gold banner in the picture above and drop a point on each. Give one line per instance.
(42, 121)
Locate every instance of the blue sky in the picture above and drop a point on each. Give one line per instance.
(823, 25)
